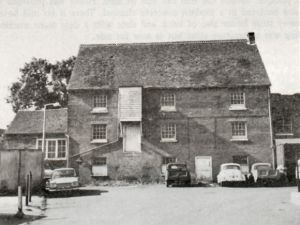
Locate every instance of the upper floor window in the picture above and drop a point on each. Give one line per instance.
(99, 103)
(283, 125)
(168, 102)
(168, 132)
(239, 131)
(237, 101)
(99, 133)
(54, 148)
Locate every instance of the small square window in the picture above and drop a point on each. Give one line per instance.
(168, 132)
(100, 101)
(99, 132)
(237, 101)
(168, 102)
(239, 130)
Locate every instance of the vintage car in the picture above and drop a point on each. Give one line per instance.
(262, 174)
(297, 177)
(254, 174)
(177, 173)
(63, 179)
(230, 173)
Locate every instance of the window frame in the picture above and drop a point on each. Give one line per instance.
(239, 137)
(167, 139)
(283, 125)
(99, 109)
(99, 140)
(56, 147)
(233, 97)
(163, 99)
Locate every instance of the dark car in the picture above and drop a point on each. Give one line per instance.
(270, 177)
(177, 173)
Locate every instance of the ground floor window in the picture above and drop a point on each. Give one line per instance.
(99, 167)
(54, 148)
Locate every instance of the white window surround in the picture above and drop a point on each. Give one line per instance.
(56, 147)
(168, 133)
(237, 101)
(168, 102)
(99, 110)
(242, 134)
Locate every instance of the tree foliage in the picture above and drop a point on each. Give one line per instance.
(41, 82)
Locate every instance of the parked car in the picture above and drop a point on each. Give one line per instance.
(63, 179)
(297, 177)
(254, 174)
(230, 173)
(262, 174)
(177, 173)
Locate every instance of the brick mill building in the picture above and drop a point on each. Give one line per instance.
(133, 108)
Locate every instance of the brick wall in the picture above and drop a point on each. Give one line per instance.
(202, 122)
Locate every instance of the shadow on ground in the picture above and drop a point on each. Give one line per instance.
(8, 219)
(73, 193)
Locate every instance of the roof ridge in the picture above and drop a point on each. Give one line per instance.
(166, 43)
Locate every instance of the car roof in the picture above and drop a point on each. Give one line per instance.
(64, 169)
(261, 164)
(230, 164)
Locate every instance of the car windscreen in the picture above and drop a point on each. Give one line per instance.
(63, 173)
(262, 167)
(231, 167)
(177, 167)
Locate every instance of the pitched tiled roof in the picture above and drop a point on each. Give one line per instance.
(169, 65)
(31, 122)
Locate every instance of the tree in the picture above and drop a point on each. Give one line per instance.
(41, 82)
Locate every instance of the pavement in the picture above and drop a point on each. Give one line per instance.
(156, 205)
(9, 208)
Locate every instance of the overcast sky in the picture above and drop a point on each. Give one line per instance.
(54, 29)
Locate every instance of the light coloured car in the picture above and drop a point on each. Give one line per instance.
(258, 170)
(230, 173)
(297, 177)
(63, 179)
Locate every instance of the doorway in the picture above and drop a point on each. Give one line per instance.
(203, 168)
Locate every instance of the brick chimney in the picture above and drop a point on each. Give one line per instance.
(251, 38)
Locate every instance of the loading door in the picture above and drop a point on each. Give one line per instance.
(203, 168)
(132, 137)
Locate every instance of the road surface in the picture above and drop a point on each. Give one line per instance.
(158, 205)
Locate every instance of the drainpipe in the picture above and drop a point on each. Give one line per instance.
(68, 149)
(271, 129)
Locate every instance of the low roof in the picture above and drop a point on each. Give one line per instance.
(31, 122)
(227, 63)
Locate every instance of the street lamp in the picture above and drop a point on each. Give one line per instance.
(56, 104)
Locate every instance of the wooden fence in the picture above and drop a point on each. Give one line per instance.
(15, 164)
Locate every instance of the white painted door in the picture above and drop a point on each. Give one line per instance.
(203, 168)
(132, 138)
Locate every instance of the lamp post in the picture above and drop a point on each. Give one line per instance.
(56, 104)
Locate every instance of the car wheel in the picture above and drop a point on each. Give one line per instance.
(168, 183)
